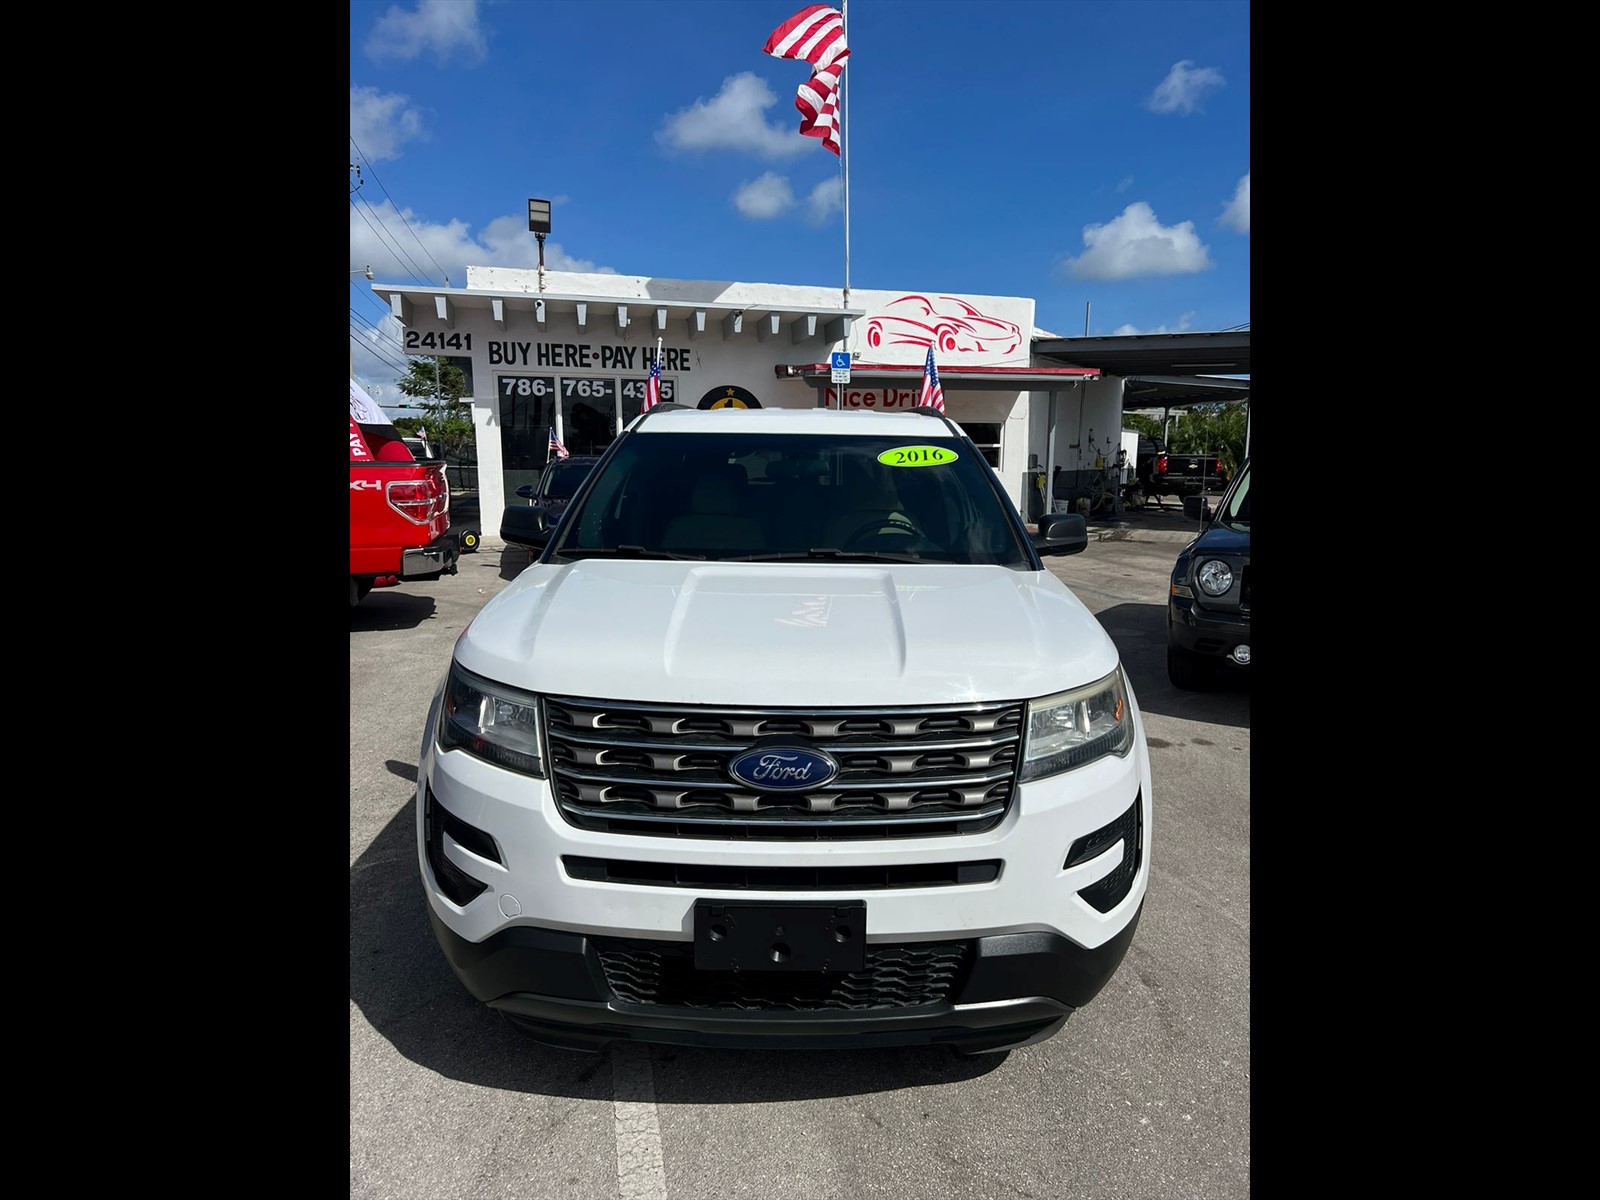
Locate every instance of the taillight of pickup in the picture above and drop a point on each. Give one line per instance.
(399, 525)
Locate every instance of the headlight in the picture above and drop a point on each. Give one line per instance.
(1072, 728)
(491, 721)
(1215, 577)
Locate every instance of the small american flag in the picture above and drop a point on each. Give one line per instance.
(652, 390)
(932, 393)
(556, 447)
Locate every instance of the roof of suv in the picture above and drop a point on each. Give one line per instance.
(911, 424)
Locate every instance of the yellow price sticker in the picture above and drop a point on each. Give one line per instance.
(918, 456)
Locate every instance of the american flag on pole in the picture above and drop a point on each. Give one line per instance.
(652, 390)
(815, 35)
(932, 393)
(556, 447)
(818, 102)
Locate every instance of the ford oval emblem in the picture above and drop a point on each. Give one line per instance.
(783, 768)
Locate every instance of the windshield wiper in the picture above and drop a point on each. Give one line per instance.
(830, 555)
(625, 552)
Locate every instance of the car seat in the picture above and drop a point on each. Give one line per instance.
(715, 520)
(866, 499)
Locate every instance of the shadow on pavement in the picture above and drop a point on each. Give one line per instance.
(514, 560)
(1140, 632)
(400, 981)
(387, 609)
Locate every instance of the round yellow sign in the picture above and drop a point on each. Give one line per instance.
(729, 396)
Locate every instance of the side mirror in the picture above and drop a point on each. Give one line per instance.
(524, 526)
(526, 491)
(1196, 509)
(1061, 533)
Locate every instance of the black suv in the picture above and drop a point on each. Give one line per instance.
(1208, 605)
(547, 499)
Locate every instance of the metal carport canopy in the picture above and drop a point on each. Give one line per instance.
(1150, 392)
(1158, 369)
(1224, 353)
(951, 379)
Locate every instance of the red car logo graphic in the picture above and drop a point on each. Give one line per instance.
(947, 323)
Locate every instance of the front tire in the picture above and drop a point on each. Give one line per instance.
(1188, 671)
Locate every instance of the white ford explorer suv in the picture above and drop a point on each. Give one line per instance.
(787, 739)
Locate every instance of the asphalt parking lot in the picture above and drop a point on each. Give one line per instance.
(1144, 1093)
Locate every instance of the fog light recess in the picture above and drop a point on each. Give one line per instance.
(1241, 655)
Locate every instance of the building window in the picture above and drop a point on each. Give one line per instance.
(588, 413)
(986, 436)
(527, 411)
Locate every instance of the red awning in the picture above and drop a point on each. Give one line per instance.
(1019, 379)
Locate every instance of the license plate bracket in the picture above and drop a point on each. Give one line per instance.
(772, 935)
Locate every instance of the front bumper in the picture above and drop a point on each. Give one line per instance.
(1208, 634)
(1015, 989)
(527, 897)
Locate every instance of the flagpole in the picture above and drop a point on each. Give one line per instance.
(844, 151)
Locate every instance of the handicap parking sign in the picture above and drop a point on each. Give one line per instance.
(841, 366)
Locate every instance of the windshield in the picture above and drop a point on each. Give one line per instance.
(564, 480)
(796, 497)
(1236, 512)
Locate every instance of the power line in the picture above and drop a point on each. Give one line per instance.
(398, 213)
(372, 297)
(387, 335)
(366, 347)
(383, 353)
(360, 338)
(386, 238)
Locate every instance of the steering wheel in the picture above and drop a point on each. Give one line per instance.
(898, 527)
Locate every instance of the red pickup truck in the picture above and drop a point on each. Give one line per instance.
(399, 508)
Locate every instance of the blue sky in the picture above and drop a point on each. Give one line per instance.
(1093, 155)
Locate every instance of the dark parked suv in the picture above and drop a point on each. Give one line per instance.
(547, 499)
(1208, 606)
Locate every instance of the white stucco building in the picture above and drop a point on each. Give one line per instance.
(575, 354)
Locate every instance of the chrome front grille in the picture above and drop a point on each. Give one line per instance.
(662, 769)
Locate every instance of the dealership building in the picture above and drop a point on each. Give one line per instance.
(567, 351)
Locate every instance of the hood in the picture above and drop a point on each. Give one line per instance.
(787, 634)
(1219, 539)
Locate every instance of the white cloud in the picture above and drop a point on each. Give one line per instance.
(1183, 325)
(1183, 88)
(1236, 215)
(764, 198)
(1124, 185)
(825, 199)
(401, 247)
(381, 123)
(734, 119)
(443, 26)
(1135, 244)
